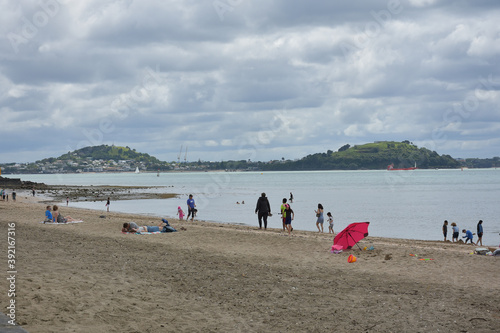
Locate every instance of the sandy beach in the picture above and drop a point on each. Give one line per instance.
(89, 277)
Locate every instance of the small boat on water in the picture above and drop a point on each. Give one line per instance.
(391, 167)
(137, 170)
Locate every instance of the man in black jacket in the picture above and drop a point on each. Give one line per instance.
(263, 209)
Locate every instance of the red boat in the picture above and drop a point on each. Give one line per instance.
(391, 167)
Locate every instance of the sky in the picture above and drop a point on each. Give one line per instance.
(248, 80)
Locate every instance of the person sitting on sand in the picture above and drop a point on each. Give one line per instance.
(48, 215)
(133, 227)
(468, 236)
(57, 216)
(455, 232)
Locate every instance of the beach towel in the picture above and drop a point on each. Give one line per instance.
(142, 233)
(481, 250)
(79, 221)
(421, 259)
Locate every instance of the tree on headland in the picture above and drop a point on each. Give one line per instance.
(344, 147)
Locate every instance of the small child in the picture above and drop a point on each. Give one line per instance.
(468, 236)
(330, 223)
(48, 215)
(455, 232)
(180, 212)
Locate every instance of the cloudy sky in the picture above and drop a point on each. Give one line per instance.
(241, 79)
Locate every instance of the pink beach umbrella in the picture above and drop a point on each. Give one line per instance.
(352, 234)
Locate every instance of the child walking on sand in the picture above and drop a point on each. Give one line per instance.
(455, 232)
(288, 219)
(180, 212)
(330, 223)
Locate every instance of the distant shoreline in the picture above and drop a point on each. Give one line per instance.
(236, 170)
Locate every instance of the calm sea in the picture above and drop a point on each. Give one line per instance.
(400, 204)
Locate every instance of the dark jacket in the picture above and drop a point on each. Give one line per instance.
(263, 205)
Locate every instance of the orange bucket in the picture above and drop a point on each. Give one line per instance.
(351, 258)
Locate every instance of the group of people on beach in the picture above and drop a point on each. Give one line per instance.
(263, 210)
(5, 196)
(468, 235)
(191, 208)
(52, 214)
(321, 219)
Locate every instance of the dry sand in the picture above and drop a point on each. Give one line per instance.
(89, 277)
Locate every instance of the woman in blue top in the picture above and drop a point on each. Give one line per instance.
(321, 219)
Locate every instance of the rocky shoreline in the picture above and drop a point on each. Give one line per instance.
(85, 193)
(18, 184)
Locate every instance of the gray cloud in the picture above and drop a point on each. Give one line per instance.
(265, 79)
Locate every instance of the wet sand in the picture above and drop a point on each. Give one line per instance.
(89, 277)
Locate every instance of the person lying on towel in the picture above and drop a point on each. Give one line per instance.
(163, 226)
(133, 227)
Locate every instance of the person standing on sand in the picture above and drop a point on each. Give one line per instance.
(14, 195)
(289, 217)
(291, 197)
(67, 201)
(480, 232)
(191, 207)
(33, 191)
(330, 223)
(180, 212)
(107, 204)
(283, 213)
(445, 229)
(455, 232)
(321, 219)
(263, 209)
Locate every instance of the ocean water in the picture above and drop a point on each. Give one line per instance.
(399, 204)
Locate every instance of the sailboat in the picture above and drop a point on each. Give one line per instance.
(137, 170)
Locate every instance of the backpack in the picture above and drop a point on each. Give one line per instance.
(167, 227)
